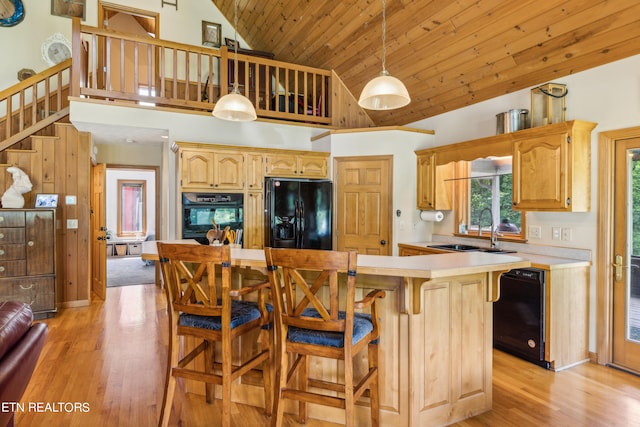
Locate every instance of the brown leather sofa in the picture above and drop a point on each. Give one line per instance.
(21, 343)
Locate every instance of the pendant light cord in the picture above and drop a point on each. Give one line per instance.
(235, 46)
(384, 38)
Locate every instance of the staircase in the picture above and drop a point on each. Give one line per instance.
(36, 136)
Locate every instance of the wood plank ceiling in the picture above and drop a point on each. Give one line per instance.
(449, 54)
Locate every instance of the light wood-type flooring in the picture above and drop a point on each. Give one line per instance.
(103, 365)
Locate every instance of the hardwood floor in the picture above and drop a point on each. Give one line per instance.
(103, 365)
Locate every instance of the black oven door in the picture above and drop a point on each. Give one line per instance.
(199, 214)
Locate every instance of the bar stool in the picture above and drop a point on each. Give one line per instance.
(200, 310)
(309, 324)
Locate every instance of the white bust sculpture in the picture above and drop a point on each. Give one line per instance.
(12, 198)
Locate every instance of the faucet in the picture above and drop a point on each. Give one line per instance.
(493, 234)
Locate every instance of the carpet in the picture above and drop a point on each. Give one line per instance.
(124, 271)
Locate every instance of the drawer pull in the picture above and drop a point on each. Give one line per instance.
(1, 252)
(1, 235)
(1, 269)
(30, 243)
(26, 288)
(1, 218)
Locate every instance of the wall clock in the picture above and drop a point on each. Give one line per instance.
(11, 13)
(56, 49)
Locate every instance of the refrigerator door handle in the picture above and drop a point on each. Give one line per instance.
(301, 222)
(296, 223)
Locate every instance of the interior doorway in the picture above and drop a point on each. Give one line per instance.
(131, 217)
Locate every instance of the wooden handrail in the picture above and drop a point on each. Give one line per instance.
(133, 68)
(27, 106)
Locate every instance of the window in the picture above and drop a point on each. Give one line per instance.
(490, 188)
(132, 210)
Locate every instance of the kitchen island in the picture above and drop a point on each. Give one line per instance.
(436, 339)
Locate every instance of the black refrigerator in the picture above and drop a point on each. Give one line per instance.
(298, 213)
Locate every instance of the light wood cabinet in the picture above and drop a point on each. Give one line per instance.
(434, 185)
(253, 220)
(450, 351)
(566, 316)
(196, 169)
(204, 169)
(255, 172)
(287, 165)
(27, 258)
(406, 250)
(552, 168)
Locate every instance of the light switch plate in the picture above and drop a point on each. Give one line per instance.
(72, 224)
(535, 232)
(70, 200)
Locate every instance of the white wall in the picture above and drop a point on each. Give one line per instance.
(401, 145)
(22, 42)
(112, 177)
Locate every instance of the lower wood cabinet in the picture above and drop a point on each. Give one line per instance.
(27, 258)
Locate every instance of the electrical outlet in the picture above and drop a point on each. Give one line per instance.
(72, 224)
(556, 232)
(566, 233)
(535, 232)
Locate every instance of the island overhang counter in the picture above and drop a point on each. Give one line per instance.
(436, 338)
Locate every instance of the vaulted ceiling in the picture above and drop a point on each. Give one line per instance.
(449, 53)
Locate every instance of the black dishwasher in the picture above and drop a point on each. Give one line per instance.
(518, 316)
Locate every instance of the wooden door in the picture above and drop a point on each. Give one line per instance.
(626, 280)
(98, 231)
(363, 204)
(133, 21)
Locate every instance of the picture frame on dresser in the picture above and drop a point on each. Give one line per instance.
(47, 201)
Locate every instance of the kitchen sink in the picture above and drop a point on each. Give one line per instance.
(456, 247)
(470, 248)
(497, 250)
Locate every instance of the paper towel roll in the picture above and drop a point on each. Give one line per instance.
(436, 216)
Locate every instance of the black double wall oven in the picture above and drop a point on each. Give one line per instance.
(199, 210)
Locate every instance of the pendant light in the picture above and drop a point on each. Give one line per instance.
(234, 106)
(384, 92)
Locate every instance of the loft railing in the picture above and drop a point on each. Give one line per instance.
(118, 66)
(34, 103)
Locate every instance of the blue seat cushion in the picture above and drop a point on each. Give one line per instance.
(362, 326)
(241, 312)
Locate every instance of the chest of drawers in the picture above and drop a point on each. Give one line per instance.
(27, 258)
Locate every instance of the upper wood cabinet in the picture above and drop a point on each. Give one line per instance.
(552, 168)
(202, 169)
(434, 188)
(285, 165)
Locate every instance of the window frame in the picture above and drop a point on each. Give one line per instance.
(132, 182)
(462, 192)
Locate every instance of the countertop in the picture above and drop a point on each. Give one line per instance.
(537, 261)
(422, 266)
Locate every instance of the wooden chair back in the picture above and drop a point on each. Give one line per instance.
(293, 277)
(190, 277)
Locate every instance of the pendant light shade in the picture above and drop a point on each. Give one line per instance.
(234, 106)
(384, 92)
